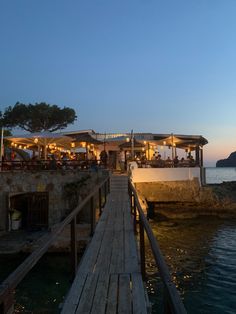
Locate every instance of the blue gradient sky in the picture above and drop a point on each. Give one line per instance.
(153, 66)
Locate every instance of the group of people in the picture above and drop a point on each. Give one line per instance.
(158, 162)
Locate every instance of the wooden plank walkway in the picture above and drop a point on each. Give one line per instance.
(108, 278)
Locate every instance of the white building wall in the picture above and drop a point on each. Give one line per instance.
(164, 174)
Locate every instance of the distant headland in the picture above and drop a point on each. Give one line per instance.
(228, 162)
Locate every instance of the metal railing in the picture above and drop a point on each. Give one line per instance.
(10, 283)
(172, 301)
(40, 165)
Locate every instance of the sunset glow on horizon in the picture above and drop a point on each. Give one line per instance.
(151, 66)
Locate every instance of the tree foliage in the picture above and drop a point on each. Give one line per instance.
(38, 117)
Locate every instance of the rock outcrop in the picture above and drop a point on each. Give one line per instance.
(228, 162)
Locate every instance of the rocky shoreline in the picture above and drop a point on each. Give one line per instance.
(213, 200)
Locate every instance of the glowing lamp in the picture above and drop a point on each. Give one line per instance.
(36, 140)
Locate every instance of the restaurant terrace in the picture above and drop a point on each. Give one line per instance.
(85, 148)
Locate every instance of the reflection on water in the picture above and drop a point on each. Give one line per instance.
(201, 254)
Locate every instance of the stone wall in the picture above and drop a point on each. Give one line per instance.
(187, 199)
(51, 181)
(170, 191)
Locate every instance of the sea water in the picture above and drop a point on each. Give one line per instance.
(201, 255)
(220, 174)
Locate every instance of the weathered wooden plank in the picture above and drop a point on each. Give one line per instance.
(112, 297)
(87, 295)
(131, 260)
(90, 257)
(138, 294)
(124, 300)
(100, 297)
(107, 281)
(74, 295)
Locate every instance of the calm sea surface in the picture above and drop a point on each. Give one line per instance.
(201, 255)
(220, 174)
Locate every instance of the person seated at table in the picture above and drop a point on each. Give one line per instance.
(53, 163)
(191, 161)
(159, 162)
(176, 161)
(168, 162)
(182, 162)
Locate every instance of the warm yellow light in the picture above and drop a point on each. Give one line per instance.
(12, 144)
(72, 144)
(20, 146)
(145, 142)
(174, 144)
(143, 149)
(127, 139)
(36, 140)
(25, 147)
(83, 144)
(164, 142)
(15, 145)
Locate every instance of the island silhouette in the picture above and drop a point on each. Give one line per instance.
(227, 162)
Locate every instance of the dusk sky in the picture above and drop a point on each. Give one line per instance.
(157, 66)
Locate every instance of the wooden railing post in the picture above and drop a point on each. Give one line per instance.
(109, 185)
(172, 300)
(135, 217)
(105, 193)
(7, 305)
(92, 216)
(100, 201)
(167, 308)
(142, 250)
(73, 247)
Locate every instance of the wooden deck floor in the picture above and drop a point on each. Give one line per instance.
(109, 279)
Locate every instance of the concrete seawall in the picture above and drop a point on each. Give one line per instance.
(187, 199)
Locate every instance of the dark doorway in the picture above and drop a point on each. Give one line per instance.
(34, 209)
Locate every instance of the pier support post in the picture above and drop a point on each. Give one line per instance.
(92, 216)
(73, 248)
(100, 201)
(135, 217)
(109, 185)
(167, 308)
(142, 250)
(105, 193)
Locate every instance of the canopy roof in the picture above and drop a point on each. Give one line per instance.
(129, 144)
(42, 139)
(87, 138)
(178, 140)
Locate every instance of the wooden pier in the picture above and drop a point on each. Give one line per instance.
(109, 278)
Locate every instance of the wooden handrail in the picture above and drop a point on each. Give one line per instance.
(9, 284)
(175, 304)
